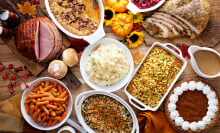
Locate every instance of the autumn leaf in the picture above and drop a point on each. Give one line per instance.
(79, 57)
(27, 8)
(137, 56)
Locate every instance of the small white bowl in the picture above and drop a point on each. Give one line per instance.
(98, 34)
(67, 129)
(192, 49)
(119, 84)
(29, 119)
(134, 9)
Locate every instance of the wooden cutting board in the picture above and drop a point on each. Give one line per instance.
(11, 5)
(210, 37)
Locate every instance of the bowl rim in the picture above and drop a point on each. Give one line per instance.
(98, 31)
(82, 96)
(121, 82)
(29, 119)
(147, 9)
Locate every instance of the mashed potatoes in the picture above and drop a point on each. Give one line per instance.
(106, 65)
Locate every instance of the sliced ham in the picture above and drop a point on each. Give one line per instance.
(47, 41)
(39, 36)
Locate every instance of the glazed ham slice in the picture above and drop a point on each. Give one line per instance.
(47, 41)
(40, 36)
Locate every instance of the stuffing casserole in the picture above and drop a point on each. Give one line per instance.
(154, 77)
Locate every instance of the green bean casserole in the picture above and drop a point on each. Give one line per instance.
(104, 114)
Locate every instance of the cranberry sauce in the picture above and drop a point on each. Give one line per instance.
(143, 4)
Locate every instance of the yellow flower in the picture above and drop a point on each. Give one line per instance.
(136, 17)
(135, 39)
(109, 15)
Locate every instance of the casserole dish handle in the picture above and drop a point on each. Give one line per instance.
(77, 126)
(95, 36)
(173, 46)
(134, 104)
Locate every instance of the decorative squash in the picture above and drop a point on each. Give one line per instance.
(118, 5)
(122, 24)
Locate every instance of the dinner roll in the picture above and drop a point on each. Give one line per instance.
(70, 57)
(57, 69)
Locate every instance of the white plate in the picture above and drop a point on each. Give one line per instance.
(119, 84)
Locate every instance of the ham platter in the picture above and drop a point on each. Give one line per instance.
(38, 39)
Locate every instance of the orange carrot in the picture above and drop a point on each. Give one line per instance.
(63, 94)
(42, 103)
(45, 109)
(55, 84)
(58, 99)
(54, 94)
(63, 116)
(60, 89)
(51, 106)
(45, 123)
(47, 83)
(27, 108)
(35, 89)
(52, 113)
(37, 96)
(53, 122)
(47, 88)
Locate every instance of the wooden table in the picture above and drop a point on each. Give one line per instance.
(7, 57)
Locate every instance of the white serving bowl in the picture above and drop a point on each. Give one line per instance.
(81, 97)
(29, 119)
(134, 9)
(119, 84)
(98, 34)
(169, 47)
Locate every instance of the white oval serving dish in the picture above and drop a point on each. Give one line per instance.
(81, 97)
(134, 9)
(119, 84)
(137, 103)
(92, 38)
(192, 49)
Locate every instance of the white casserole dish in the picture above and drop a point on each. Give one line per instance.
(81, 97)
(140, 105)
(92, 38)
(120, 83)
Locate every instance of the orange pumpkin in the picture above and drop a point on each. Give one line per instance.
(122, 24)
(118, 5)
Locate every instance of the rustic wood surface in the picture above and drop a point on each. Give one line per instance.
(7, 56)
